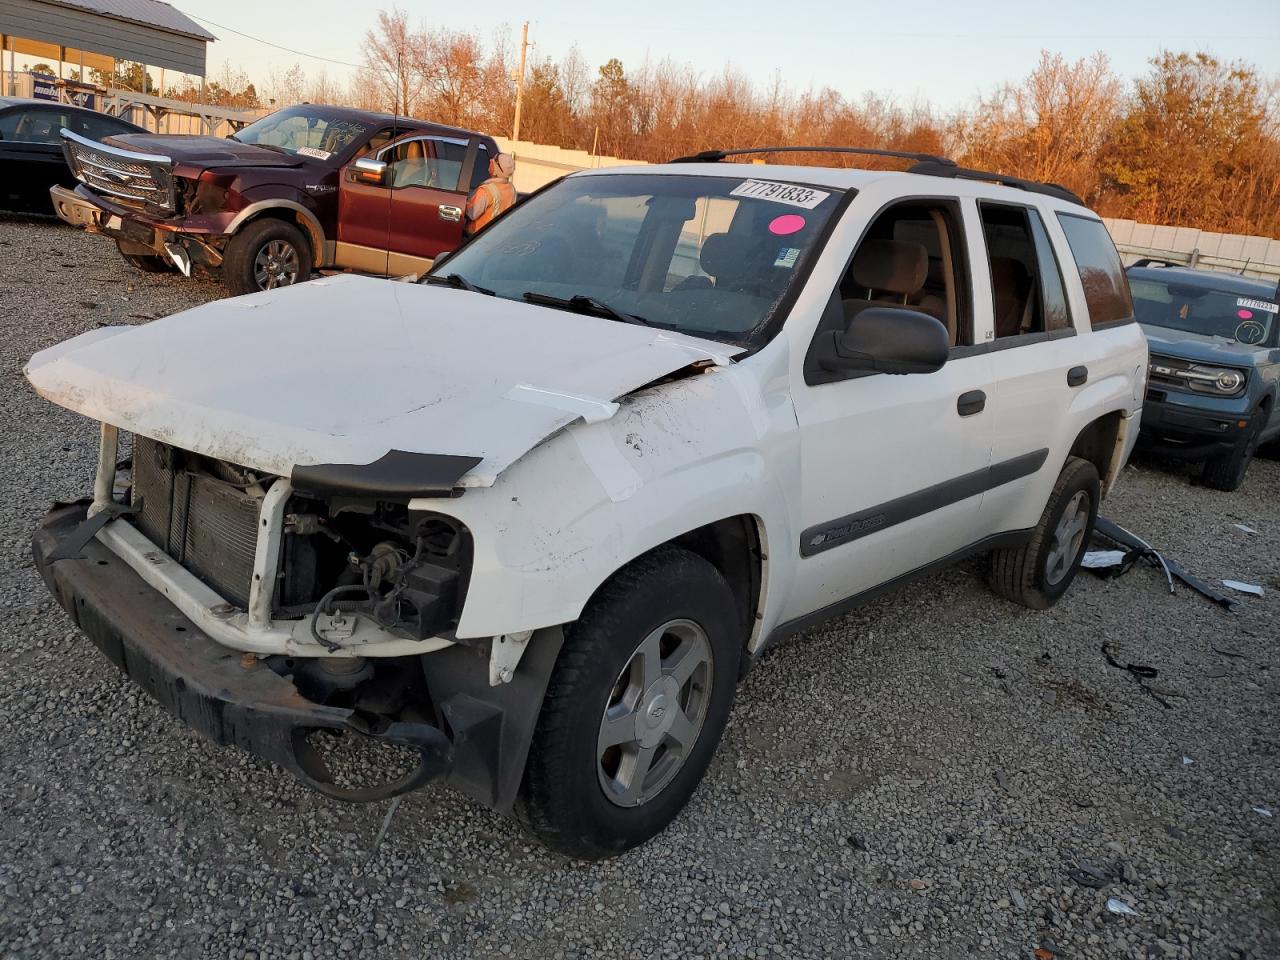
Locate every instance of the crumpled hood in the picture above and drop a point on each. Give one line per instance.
(1199, 348)
(199, 151)
(345, 369)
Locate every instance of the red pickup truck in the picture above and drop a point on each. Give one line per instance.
(282, 197)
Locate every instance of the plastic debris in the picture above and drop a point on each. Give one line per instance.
(1043, 953)
(1120, 907)
(1139, 549)
(1263, 812)
(1245, 528)
(1102, 559)
(1187, 761)
(1241, 587)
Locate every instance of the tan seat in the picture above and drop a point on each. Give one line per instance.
(890, 271)
(1010, 286)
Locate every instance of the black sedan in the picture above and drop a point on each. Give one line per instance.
(31, 158)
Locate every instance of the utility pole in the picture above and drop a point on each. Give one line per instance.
(524, 47)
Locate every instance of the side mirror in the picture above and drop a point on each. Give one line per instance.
(888, 340)
(367, 170)
(441, 257)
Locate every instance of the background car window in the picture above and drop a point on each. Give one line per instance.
(1198, 309)
(33, 126)
(434, 162)
(96, 127)
(1106, 289)
(480, 172)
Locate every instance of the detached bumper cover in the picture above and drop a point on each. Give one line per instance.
(203, 683)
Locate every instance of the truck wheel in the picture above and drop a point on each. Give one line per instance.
(1039, 572)
(635, 707)
(1226, 471)
(147, 263)
(266, 254)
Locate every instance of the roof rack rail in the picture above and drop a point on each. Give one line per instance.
(715, 156)
(950, 169)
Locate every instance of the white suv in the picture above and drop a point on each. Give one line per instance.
(534, 517)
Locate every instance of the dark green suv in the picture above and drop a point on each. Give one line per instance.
(1215, 366)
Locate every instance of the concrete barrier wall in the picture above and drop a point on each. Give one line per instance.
(537, 164)
(1232, 252)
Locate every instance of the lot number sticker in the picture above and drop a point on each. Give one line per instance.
(787, 193)
(314, 152)
(1266, 306)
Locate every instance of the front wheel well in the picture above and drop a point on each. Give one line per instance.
(310, 229)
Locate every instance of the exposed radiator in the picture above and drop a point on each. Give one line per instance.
(207, 524)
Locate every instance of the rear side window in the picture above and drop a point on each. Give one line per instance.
(1057, 315)
(480, 172)
(1106, 290)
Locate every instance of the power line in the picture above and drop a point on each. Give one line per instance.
(299, 53)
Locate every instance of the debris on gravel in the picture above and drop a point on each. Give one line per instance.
(927, 776)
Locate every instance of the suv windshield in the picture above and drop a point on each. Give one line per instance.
(709, 256)
(300, 130)
(1196, 309)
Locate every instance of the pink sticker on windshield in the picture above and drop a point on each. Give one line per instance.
(786, 224)
(1244, 314)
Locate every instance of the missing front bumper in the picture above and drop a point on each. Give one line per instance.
(203, 683)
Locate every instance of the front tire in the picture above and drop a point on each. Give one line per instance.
(635, 707)
(1226, 471)
(1039, 572)
(264, 255)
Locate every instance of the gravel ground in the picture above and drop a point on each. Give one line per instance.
(916, 779)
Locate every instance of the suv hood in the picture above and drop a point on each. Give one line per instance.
(347, 369)
(1200, 348)
(203, 151)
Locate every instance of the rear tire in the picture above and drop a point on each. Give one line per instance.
(1226, 471)
(264, 255)
(635, 707)
(1039, 572)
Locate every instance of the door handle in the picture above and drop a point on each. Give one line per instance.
(1077, 375)
(450, 213)
(974, 401)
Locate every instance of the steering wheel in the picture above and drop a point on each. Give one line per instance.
(1250, 332)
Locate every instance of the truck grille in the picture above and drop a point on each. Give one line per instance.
(207, 524)
(139, 179)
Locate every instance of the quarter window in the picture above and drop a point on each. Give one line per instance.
(1106, 290)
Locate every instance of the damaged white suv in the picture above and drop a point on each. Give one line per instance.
(534, 517)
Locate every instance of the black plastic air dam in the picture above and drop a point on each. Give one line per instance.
(202, 682)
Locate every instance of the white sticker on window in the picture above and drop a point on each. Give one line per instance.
(787, 257)
(787, 193)
(315, 153)
(1265, 305)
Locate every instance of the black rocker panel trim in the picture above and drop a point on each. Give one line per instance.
(854, 526)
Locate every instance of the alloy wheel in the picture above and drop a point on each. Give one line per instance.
(655, 712)
(1068, 538)
(276, 265)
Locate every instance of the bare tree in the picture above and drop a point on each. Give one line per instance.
(392, 55)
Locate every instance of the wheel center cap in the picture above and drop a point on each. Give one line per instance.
(657, 711)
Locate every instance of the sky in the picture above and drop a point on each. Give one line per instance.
(941, 51)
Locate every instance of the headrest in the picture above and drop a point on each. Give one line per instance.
(893, 265)
(1008, 274)
(722, 255)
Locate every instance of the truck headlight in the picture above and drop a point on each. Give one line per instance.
(1204, 378)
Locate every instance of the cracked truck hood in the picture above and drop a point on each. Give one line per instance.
(346, 369)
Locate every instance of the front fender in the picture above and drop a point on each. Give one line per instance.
(587, 501)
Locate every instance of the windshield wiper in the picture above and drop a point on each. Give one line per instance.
(584, 304)
(457, 281)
